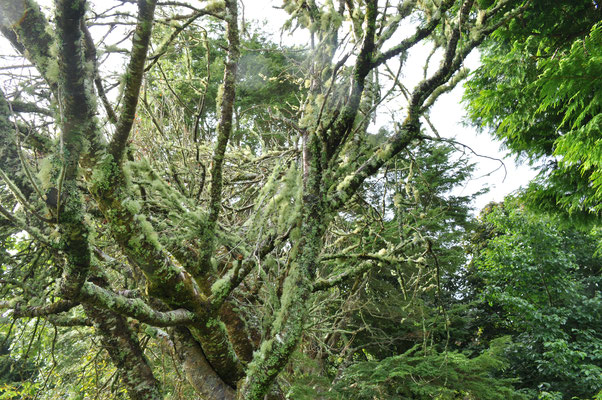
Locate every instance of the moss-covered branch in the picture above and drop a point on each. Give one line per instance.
(332, 281)
(30, 35)
(91, 57)
(344, 123)
(26, 311)
(135, 308)
(133, 77)
(9, 153)
(164, 45)
(24, 107)
(166, 278)
(455, 54)
(226, 107)
(76, 122)
(288, 326)
(421, 33)
(126, 353)
(340, 194)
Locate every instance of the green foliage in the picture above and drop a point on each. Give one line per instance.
(414, 375)
(185, 84)
(15, 373)
(538, 90)
(410, 221)
(541, 282)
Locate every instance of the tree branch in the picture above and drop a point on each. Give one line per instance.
(226, 106)
(134, 308)
(23, 107)
(421, 33)
(133, 77)
(25, 311)
(198, 371)
(326, 283)
(122, 344)
(30, 36)
(91, 57)
(344, 123)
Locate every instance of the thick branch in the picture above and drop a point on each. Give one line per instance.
(77, 114)
(198, 372)
(30, 34)
(226, 106)
(126, 353)
(450, 63)
(350, 184)
(344, 122)
(21, 311)
(410, 129)
(22, 107)
(133, 77)
(134, 308)
(326, 283)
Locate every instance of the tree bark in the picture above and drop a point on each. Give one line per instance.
(124, 349)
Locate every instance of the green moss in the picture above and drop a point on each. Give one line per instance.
(133, 206)
(218, 99)
(221, 287)
(148, 231)
(215, 5)
(104, 173)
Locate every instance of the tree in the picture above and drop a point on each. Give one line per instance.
(540, 285)
(129, 238)
(538, 91)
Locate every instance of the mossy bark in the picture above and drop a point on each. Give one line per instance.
(77, 113)
(9, 156)
(124, 349)
(237, 332)
(30, 34)
(133, 77)
(225, 104)
(166, 279)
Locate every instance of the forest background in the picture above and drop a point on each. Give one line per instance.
(193, 208)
